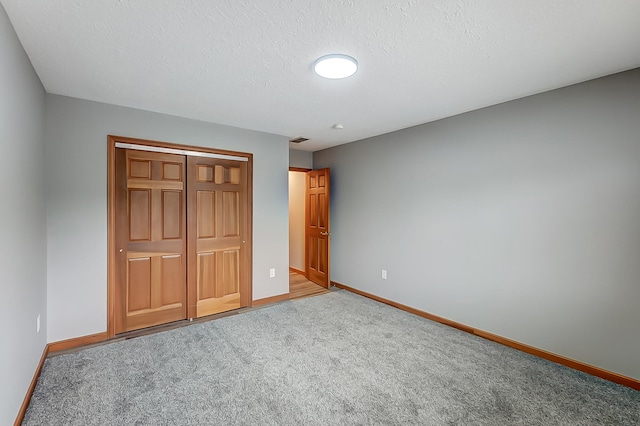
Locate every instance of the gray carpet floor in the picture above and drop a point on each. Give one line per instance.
(333, 359)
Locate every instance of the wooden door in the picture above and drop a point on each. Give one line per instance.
(150, 239)
(317, 226)
(217, 227)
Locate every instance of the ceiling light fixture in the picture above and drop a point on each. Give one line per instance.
(335, 66)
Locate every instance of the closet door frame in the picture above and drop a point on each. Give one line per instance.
(111, 213)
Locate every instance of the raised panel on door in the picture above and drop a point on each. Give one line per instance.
(218, 221)
(150, 239)
(139, 214)
(206, 270)
(138, 284)
(230, 272)
(317, 227)
(172, 215)
(171, 271)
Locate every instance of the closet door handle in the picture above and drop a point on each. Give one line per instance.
(325, 233)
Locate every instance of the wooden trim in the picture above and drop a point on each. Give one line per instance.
(78, 341)
(111, 235)
(111, 216)
(406, 308)
(171, 145)
(559, 359)
(304, 170)
(249, 229)
(32, 387)
(272, 299)
(540, 353)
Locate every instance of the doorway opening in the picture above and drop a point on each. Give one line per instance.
(299, 283)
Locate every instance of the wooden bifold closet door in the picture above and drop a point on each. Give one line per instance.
(180, 238)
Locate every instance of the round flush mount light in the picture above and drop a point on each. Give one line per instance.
(335, 66)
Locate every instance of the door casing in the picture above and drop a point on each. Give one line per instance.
(111, 217)
(324, 279)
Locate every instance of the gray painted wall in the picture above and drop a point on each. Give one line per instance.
(77, 202)
(22, 222)
(520, 219)
(302, 159)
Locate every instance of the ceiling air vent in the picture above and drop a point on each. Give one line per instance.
(298, 140)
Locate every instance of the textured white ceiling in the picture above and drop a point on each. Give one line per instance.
(248, 63)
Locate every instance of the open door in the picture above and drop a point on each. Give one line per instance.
(317, 227)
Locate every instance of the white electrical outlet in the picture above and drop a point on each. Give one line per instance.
(272, 273)
(38, 324)
(384, 274)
